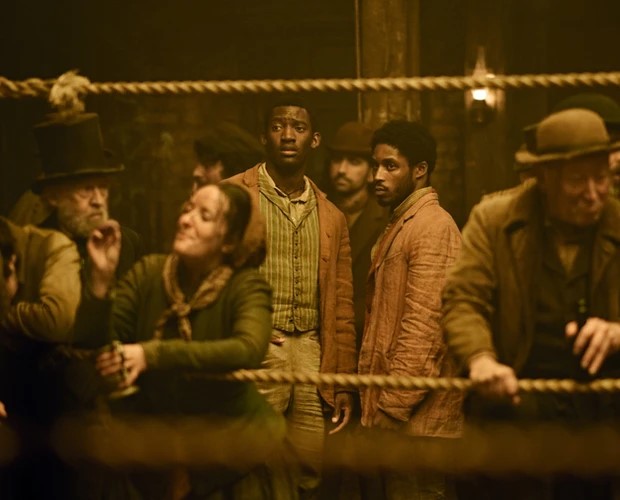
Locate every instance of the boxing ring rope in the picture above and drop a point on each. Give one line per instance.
(36, 87)
(409, 383)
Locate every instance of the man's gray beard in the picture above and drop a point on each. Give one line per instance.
(78, 225)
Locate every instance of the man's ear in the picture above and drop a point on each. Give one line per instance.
(316, 140)
(263, 140)
(50, 196)
(420, 170)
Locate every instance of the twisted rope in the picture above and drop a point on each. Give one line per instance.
(355, 381)
(35, 87)
(412, 383)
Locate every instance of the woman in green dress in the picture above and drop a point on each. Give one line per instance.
(203, 309)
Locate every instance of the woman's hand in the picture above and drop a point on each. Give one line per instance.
(104, 249)
(128, 361)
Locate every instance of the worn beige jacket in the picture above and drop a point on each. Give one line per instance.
(488, 299)
(49, 290)
(402, 335)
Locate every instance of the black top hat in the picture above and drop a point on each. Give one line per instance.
(71, 147)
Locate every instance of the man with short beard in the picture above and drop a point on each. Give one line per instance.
(350, 176)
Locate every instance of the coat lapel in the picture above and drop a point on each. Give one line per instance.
(385, 241)
(326, 232)
(522, 230)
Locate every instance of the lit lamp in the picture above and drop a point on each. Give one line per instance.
(482, 100)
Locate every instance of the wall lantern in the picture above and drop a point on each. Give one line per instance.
(481, 100)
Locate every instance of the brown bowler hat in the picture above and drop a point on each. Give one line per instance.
(352, 137)
(564, 135)
(71, 147)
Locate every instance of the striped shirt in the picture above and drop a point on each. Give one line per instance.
(292, 263)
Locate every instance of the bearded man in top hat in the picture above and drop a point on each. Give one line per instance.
(77, 173)
(535, 292)
(75, 184)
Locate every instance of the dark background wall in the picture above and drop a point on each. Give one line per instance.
(272, 39)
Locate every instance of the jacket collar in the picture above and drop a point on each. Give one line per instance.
(250, 179)
(527, 208)
(394, 227)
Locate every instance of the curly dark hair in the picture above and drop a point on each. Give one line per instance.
(412, 139)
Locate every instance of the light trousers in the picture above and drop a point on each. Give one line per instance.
(301, 404)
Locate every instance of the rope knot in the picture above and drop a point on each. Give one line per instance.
(181, 309)
(67, 93)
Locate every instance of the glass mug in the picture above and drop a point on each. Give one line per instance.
(111, 381)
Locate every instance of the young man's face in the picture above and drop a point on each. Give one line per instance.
(81, 205)
(576, 190)
(289, 138)
(349, 174)
(393, 178)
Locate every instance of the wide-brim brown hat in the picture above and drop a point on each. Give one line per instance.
(565, 135)
(353, 138)
(71, 147)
